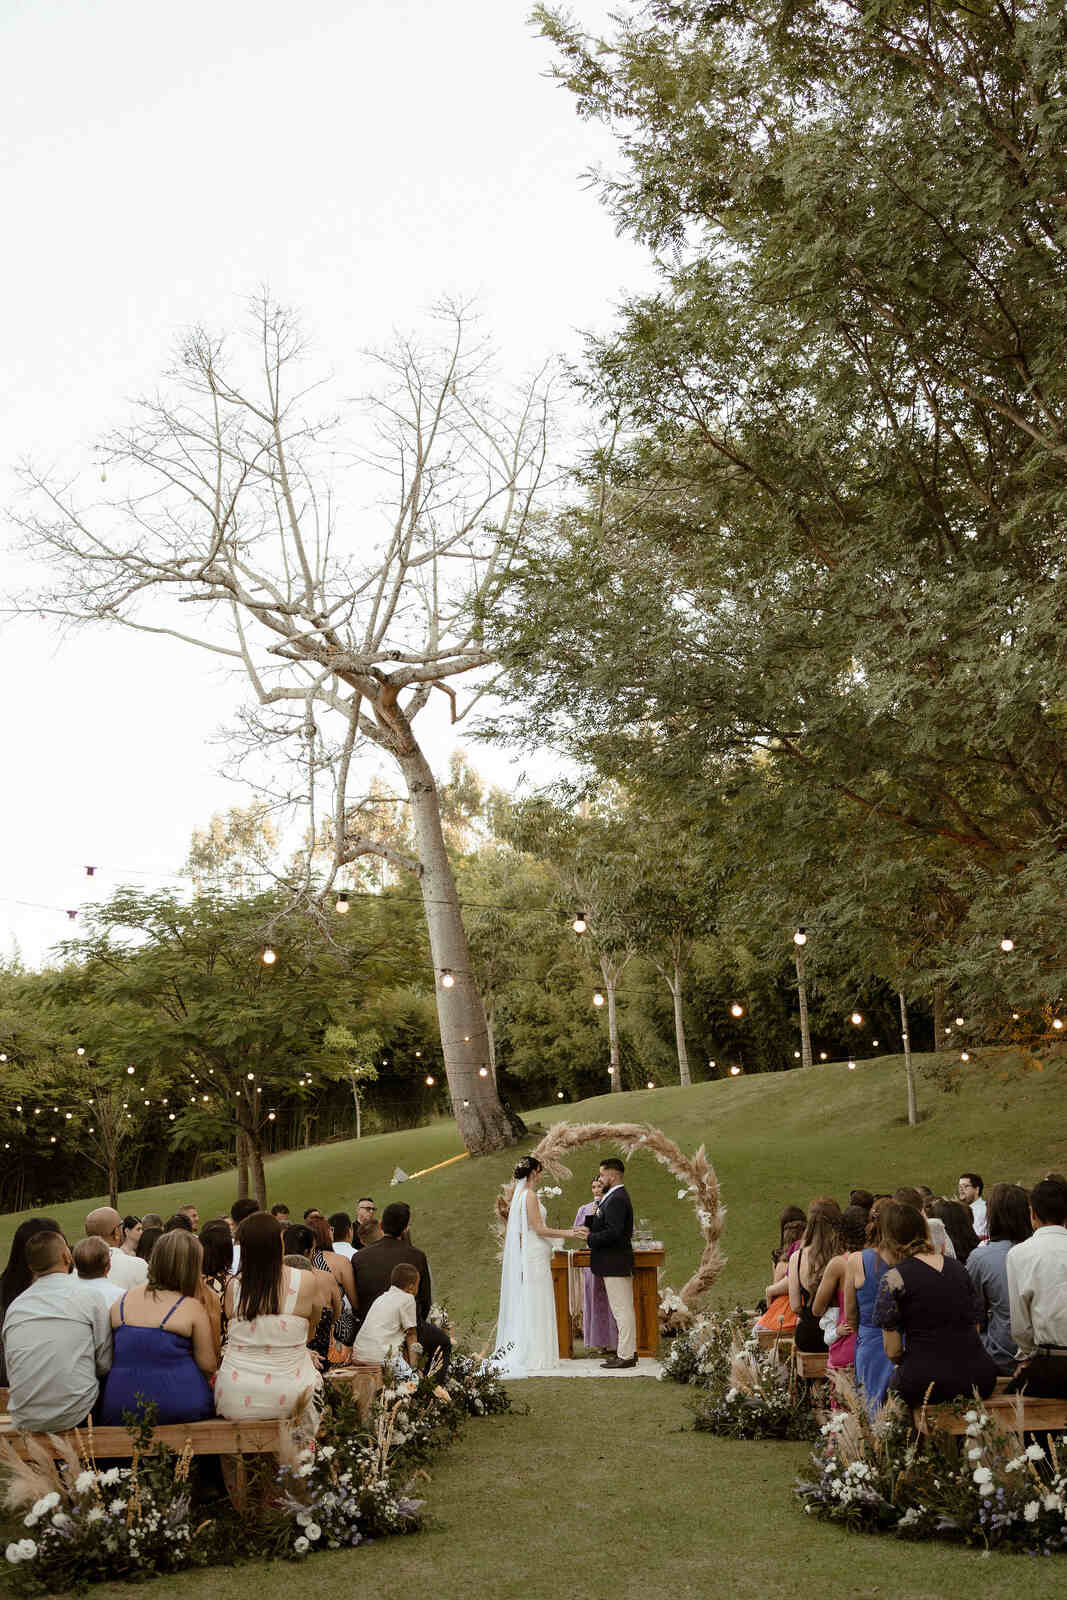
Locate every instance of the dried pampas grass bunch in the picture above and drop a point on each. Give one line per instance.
(696, 1172)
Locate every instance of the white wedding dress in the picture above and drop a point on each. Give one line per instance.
(526, 1338)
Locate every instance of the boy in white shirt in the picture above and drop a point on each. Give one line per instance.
(389, 1328)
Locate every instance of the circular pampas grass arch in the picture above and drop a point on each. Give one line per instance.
(696, 1172)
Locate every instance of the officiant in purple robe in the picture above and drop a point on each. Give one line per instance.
(598, 1325)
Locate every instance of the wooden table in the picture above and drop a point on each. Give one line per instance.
(646, 1297)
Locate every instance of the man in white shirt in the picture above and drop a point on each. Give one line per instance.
(969, 1188)
(129, 1272)
(341, 1227)
(1037, 1293)
(92, 1263)
(389, 1327)
(57, 1342)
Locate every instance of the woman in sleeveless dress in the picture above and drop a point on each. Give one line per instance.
(267, 1370)
(820, 1244)
(340, 1332)
(831, 1292)
(164, 1350)
(526, 1337)
(866, 1268)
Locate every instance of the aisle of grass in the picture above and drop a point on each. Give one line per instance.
(773, 1138)
(598, 1491)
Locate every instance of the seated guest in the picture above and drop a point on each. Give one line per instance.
(779, 1316)
(862, 1198)
(987, 1268)
(927, 1311)
(216, 1242)
(299, 1240)
(92, 1263)
(832, 1289)
(164, 1351)
(193, 1215)
(17, 1276)
(863, 1276)
(238, 1212)
(821, 1242)
(146, 1243)
(369, 1233)
(152, 1219)
(366, 1211)
(390, 1327)
(939, 1237)
(132, 1228)
(129, 1272)
(957, 1220)
(326, 1259)
(373, 1274)
(267, 1370)
(281, 1211)
(341, 1228)
(179, 1222)
(969, 1189)
(1037, 1290)
(907, 1195)
(312, 1211)
(57, 1342)
(790, 1218)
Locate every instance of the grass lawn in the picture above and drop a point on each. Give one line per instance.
(598, 1491)
(599, 1488)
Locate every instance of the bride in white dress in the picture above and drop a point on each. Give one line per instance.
(527, 1320)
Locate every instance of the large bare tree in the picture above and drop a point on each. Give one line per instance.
(234, 517)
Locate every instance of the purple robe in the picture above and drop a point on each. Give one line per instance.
(599, 1331)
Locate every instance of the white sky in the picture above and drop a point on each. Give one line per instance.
(159, 165)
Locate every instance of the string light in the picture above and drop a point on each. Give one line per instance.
(598, 997)
(1015, 1016)
(735, 1072)
(131, 1071)
(3, 1056)
(447, 979)
(89, 871)
(170, 1117)
(80, 1050)
(483, 1072)
(1057, 1023)
(271, 1116)
(737, 1009)
(852, 1066)
(856, 1019)
(874, 1043)
(822, 1055)
(801, 936)
(430, 1080)
(341, 906)
(250, 1076)
(964, 1056)
(580, 924)
(650, 1084)
(959, 1022)
(268, 957)
(559, 1094)
(796, 1055)
(1007, 944)
(711, 1064)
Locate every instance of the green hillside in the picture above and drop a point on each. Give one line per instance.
(773, 1138)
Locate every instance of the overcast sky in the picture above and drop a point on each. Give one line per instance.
(159, 165)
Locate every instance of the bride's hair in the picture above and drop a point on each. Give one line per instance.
(527, 1165)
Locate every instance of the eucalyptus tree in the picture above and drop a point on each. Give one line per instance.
(233, 519)
(827, 523)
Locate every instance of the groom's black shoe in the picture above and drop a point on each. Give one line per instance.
(614, 1363)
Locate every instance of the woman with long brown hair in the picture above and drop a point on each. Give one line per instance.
(862, 1278)
(821, 1242)
(928, 1313)
(267, 1370)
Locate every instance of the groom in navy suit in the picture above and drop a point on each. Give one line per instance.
(611, 1258)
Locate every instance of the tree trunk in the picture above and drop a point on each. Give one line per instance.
(242, 1164)
(909, 1074)
(259, 1176)
(490, 1031)
(802, 996)
(939, 1015)
(484, 1125)
(675, 986)
(610, 977)
(112, 1183)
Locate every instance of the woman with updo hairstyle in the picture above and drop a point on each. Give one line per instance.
(928, 1313)
(526, 1336)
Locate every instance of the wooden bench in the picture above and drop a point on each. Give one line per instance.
(769, 1338)
(1016, 1413)
(809, 1364)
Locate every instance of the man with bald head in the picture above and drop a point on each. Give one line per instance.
(57, 1342)
(127, 1272)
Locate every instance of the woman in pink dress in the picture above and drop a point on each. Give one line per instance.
(599, 1331)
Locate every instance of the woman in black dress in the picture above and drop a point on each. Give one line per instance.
(929, 1314)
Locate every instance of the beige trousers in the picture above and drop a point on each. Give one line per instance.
(620, 1293)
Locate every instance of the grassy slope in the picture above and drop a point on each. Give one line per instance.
(773, 1139)
(599, 1485)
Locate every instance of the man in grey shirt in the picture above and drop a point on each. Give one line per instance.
(57, 1342)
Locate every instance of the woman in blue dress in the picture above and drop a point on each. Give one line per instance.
(863, 1276)
(164, 1349)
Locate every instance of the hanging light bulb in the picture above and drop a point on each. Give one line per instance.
(711, 1064)
(70, 1116)
(447, 979)
(964, 1055)
(822, 1055)
(1007, 944)
(737, 1009)
(19, 1108)
(796, 1055)
(874, 1042)
(52, 1140)
(959, 1022)
(341, 905)
(483, 1072)
(80, 1050)
(856, 1019)
(598, 997)
(735, 1072)
(466, 1038)
(466, 1102)
(170, 1117)
(1015, 1016)
(1057, 1023)
(418, 1057)
(271, 1116)
(801, 936)
(580, 925)
(130, 1071)
(3, 1056)
(204, 1098)
(269, 957)
(559, 1094)
(852, 1066)
(250, 1076)
(430, 1080)
(650, 1084)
